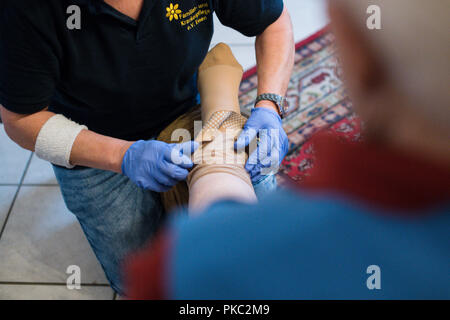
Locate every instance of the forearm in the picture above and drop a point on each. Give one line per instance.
(94, 150)
(275, 51)
(89, 149)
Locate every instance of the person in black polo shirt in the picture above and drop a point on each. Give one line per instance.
(121, 73)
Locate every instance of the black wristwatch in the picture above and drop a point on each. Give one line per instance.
(280, 102)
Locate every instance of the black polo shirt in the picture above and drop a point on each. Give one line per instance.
(121, 78)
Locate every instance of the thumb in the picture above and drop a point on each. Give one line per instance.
(180, 153)
(188, 148)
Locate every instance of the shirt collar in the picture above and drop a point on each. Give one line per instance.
(99, 6)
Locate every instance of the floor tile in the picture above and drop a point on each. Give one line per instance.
(245, 55)
(13, 159)
(228, 35)
(45, 292)
(42, 238)
(40, 172)
(308, 16)
(6, 198)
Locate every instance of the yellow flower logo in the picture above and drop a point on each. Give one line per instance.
(173, 12)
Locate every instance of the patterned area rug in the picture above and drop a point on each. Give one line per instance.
(317, 101)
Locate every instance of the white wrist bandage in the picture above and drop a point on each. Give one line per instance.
(55, 140)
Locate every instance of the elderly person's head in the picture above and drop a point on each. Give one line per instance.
(398, 76)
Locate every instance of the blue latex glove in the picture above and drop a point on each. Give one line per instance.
(273, 143)
(158, 166)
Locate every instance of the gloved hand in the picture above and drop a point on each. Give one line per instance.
(158, 166)
(273, 143)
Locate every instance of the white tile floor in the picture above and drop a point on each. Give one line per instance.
(308, 16)
(40, 238)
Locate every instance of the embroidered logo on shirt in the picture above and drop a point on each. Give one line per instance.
(190, 18)
(173, 12)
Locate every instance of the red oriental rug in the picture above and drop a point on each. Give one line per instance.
(317, 101)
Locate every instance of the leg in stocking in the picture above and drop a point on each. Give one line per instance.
(220, 173)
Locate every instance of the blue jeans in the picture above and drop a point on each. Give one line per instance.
(116, 216)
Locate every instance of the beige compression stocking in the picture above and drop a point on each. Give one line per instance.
(219, 173)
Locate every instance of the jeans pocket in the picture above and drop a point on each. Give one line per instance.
(266, 185)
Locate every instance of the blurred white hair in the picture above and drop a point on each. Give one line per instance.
(414, 46)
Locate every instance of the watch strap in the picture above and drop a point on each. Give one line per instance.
(275, 98)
